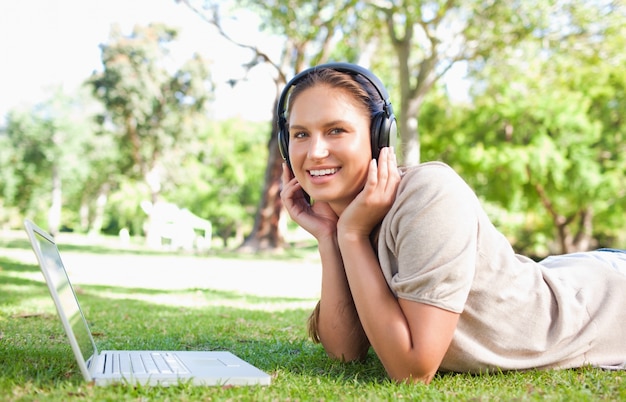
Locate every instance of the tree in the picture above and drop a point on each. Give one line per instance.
(152, 109)
(544, 141)
(223, 183)
(429, 37)
(40, 160)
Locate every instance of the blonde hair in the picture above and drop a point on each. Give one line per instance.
(312, 327)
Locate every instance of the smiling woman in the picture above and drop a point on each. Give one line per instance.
(411, 264)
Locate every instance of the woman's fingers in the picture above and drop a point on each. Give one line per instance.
(383, 176)
(392, 174)
(287, 174)
(289, 185)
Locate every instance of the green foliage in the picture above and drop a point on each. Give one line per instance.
(542, 142)
(152, 110)
(220, 180)
(123, 209)
(40, 143)
(224, 180)
(306, 20)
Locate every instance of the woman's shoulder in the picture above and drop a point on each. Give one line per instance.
(434, 167)
(434, 189)
(434, 176)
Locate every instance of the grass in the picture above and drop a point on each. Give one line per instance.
(37, 364)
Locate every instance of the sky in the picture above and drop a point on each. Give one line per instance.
(50, 43)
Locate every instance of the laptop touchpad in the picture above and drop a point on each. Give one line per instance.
(207, 362)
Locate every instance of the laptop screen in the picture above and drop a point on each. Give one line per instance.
(67, 305)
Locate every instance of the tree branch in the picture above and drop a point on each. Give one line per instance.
(215, 21)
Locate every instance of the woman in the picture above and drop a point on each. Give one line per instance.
(411, 264)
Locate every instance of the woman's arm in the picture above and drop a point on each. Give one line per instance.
(410, 338)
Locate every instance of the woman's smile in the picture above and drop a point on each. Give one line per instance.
(323, 172)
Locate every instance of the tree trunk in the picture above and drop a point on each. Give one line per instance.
(83, 214)
(410, 140)
(98, 218)
(153, 180)
(54, 213)
(568, 243)
(583, 239)
(266, 234)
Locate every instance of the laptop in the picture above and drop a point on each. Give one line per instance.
(148, 367)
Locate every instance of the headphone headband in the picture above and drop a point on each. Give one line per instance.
(349, 68)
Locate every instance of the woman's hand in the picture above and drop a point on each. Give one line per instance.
(376, 198)
(319, 220)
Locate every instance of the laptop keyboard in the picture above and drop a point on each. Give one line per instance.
(146, 363)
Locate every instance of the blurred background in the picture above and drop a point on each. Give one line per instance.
(152, 120)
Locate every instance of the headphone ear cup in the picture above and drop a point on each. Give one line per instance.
(283, 144)
(384, 131)
(376, 132)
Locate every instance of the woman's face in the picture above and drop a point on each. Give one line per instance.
(329, 144)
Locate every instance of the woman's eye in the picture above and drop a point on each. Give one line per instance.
(336, 131)
(299, 134)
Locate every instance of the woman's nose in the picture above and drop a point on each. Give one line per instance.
(318, 148)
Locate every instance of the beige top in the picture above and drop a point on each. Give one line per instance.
(438, 247)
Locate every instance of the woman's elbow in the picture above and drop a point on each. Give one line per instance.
(346, 354)
(412, 374)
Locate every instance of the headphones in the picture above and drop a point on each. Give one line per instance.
(383, 130)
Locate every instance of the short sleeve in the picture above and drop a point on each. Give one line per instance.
(428, 240)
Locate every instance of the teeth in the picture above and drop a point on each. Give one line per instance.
(323, 172)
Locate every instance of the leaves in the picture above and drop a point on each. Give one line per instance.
(151, 108)
(543, 138)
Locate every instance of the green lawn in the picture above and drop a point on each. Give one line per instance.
(37, 364)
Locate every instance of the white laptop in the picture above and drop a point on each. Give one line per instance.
(152, 367)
